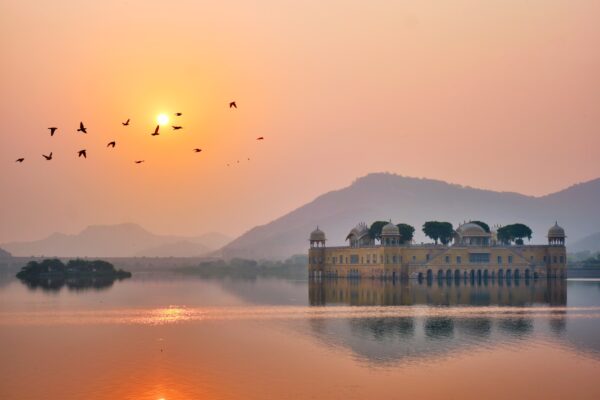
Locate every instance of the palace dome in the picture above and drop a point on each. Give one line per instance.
(317, 235)
(556, 231)
(390, 229)
(471, 229)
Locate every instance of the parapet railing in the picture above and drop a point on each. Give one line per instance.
(441, 246)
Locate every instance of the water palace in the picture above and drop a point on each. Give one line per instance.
(473, 254)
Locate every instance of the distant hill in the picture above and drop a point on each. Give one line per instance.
(590, 243)
(4, 254)
(123, 240)
(414, 201)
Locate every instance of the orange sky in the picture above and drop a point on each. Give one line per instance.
(498, 94)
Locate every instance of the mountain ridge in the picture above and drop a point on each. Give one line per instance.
(118, 240)
(589, 243)
(414, 201)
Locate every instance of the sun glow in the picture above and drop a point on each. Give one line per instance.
(162, 119)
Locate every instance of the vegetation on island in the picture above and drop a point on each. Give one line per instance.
(437, 230)
(55, 268)
(514, 233)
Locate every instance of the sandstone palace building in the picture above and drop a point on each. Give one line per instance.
(473, 253)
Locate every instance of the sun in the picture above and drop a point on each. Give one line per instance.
(162, 119)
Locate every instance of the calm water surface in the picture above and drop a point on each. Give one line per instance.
(178, 337)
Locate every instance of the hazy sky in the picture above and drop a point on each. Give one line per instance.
(495, 94)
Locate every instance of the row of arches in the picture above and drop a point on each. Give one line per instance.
(479, 274)
(447, 274)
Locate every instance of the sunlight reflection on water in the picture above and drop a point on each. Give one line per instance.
(181, 314)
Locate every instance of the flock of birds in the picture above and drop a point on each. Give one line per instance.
(112, 144)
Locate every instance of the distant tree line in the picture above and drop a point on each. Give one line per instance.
(584, 259)
(240, 268)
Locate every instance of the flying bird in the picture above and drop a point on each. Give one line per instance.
(82, 128)
(178, 114)
(47, 157)
(156, 131)
(111, 144)
(232, 104)
(175, 127)
(126, 122)
(260, 138)
(139, 161)
(82, 153)
(52, 130)
(197, 150)
(20, 159)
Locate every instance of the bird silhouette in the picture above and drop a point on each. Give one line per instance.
(175, 127)
(197, 150)
(111, 144)
(156, 131)
(20, 159)
(82, 153)
(126, 123)
(82, 128)
(139, 161)
(47, 157)
(52, 130)
(178, 114)
(260, 138)
(232, 104)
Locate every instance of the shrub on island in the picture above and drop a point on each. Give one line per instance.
(74, 268)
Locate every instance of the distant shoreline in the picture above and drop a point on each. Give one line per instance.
(189, 264)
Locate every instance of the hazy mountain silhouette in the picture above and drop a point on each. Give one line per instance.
(4, 254)
(414, 201)
(590, 243)
(122, 240)
(181, 248)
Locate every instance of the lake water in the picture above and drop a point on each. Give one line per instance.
(172, 337)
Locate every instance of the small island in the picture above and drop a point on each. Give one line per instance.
(76, 274)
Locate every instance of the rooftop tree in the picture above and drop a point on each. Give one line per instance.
(375, 229)
(406, 233)
(482, 224)
(514, 232)
(437, 230)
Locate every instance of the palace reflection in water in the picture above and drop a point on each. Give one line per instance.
(459, 314)
(442, 292)
(55, 284)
